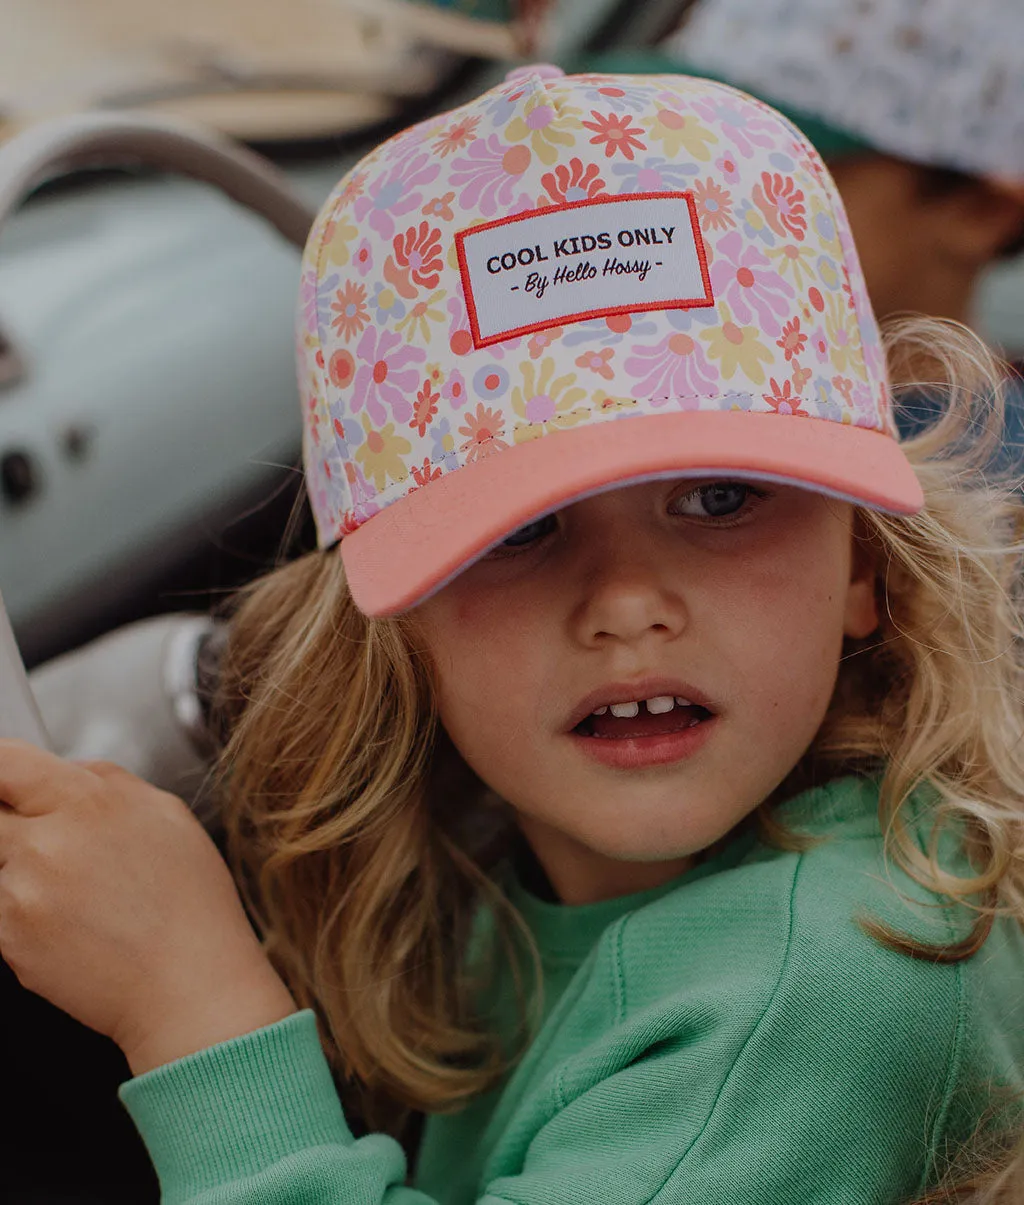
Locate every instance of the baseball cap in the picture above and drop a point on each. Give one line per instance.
(937, 83)
(570, 284)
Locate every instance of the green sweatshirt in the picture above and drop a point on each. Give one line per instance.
(732, 1037)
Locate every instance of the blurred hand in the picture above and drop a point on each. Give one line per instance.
(116, 906)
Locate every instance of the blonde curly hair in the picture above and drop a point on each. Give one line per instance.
(354, 824)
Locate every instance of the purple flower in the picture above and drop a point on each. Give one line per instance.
(673, 370)
(746, 278)
(386, 376)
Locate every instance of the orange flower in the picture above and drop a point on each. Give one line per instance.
(417, 260)
(428, 472)
(542, 340)
(425, 408)
(483, 430)
(457, 136)
(572, 183)
(793, 339)
(440, 207)
(782, 204)
(714, 205)
(617, 133)
(783, 400)
(597, 361)
(349, 306)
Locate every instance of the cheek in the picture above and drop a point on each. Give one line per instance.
(488, 663)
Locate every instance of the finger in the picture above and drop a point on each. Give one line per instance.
(32, 781)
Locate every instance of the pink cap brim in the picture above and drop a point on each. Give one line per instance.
(416, 545)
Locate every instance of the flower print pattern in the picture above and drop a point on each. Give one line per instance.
(597, 360)
(416, 263)
(744, 277)
(793, 340)
(714, 205)
(545, 402)
(737, 349)
(425, 472)
(572, 182)
(483, 429)
(425, 408)
(542, 340)
(387, 375)
(349, 309)
(440, 208)
(843, 339)
(382, 454)
(395, 393)
(395, 193)
(548, 128)
(457, 136)
(454, 389)
(416, 324)
(678, 132)
(783, 400)
(387, 306)
(793, 260)
(782, 204)
(674, 369)
(362, 257)
(616, 134)
(489, 176)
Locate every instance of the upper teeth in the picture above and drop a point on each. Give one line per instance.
(656, 706)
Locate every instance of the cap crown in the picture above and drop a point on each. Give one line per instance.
(565, 251)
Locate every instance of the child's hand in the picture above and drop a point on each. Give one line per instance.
(116, 906)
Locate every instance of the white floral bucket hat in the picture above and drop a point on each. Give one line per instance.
(934, 81)
(569, 284)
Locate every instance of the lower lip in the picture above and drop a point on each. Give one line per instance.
(639, 752)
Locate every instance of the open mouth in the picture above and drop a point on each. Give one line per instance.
(660, 716)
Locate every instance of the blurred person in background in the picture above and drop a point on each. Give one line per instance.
(917, 106)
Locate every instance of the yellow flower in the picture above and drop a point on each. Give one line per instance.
(418, 319)
(793, 259)
(844, 337)
(676, 131)
(338, 234)
(606, 403)
(546, 404)
(738, 348)
(546, 127)
(381, 454)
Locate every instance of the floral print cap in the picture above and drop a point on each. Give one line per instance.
(568, 284)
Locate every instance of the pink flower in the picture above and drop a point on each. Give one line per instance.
(363, 257)
(454, 389)
(746, 279)
(387, 376)
(673, 370)
(395, 193)
(490, 174)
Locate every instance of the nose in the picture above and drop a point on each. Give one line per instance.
(629, 595)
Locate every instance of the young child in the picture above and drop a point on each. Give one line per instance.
(638, 792)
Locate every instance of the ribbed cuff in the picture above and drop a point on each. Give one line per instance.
(232, 1110)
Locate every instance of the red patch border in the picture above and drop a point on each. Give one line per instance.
(681, 304)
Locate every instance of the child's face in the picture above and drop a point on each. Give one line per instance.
(734, 597)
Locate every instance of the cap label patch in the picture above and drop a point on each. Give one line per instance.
(583, 259)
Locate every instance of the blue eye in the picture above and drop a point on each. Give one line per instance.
(717, 500)
(530, 533)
